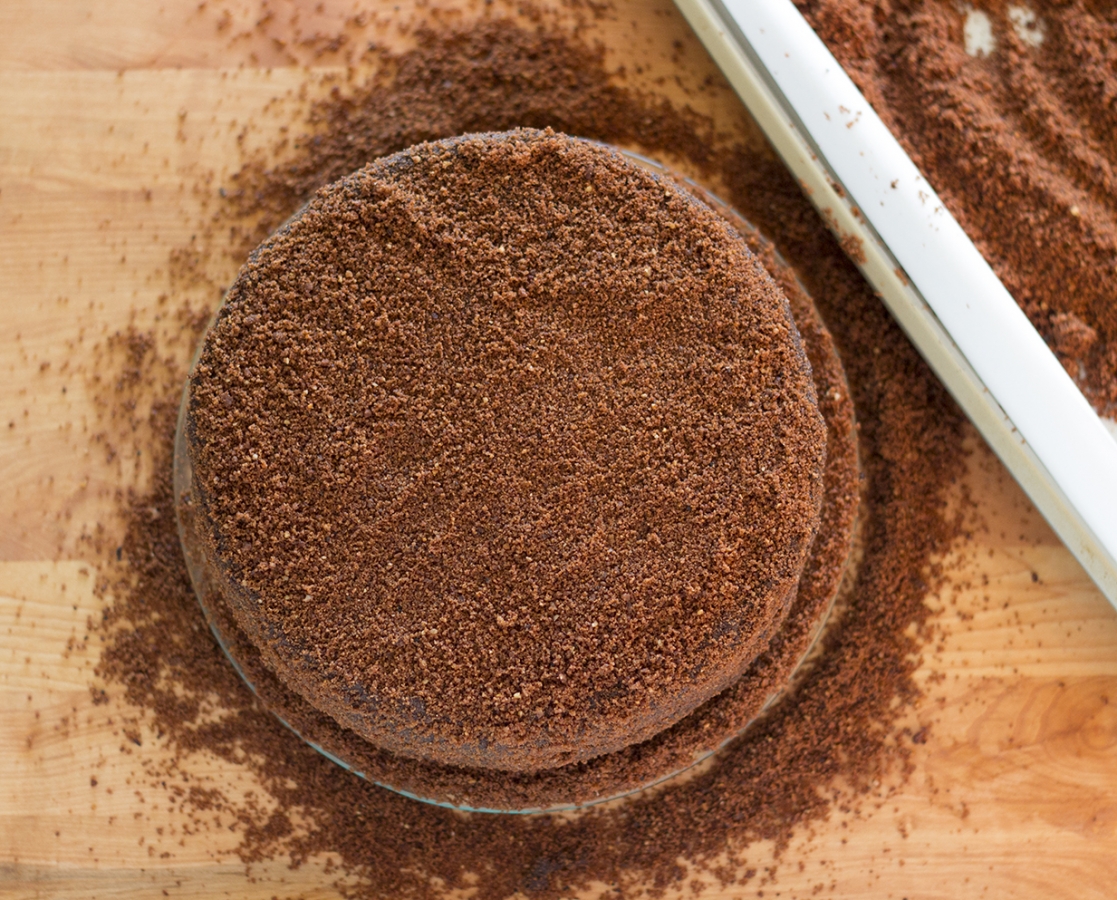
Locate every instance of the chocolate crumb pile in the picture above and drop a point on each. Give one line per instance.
(1018, 135)
(822, 750)
(510, 449)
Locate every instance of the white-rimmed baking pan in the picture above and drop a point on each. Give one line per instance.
(927, 271)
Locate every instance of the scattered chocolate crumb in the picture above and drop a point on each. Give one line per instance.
(854, 248)
(833, 738)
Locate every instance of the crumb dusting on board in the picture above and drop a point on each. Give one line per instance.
(839, 744)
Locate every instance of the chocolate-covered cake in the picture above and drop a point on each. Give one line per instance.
(505, 453)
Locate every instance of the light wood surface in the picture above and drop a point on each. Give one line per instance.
(111, 115)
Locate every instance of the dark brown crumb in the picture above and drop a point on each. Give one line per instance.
(838, 728)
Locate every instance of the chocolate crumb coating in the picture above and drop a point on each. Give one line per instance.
(508, 452)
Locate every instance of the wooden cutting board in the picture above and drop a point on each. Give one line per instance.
(111, 115)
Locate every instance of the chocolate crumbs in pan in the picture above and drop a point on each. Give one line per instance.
(1019, 138)
(836, 728)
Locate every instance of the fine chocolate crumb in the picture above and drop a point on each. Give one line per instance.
(829, 741)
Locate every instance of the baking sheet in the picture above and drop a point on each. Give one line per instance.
(927, 270)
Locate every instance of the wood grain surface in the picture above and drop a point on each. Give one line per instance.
(117, 122)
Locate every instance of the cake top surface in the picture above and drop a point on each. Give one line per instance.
(514, 446)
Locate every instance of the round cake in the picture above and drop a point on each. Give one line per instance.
(505, 453)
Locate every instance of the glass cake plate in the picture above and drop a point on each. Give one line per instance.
(430, 782)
